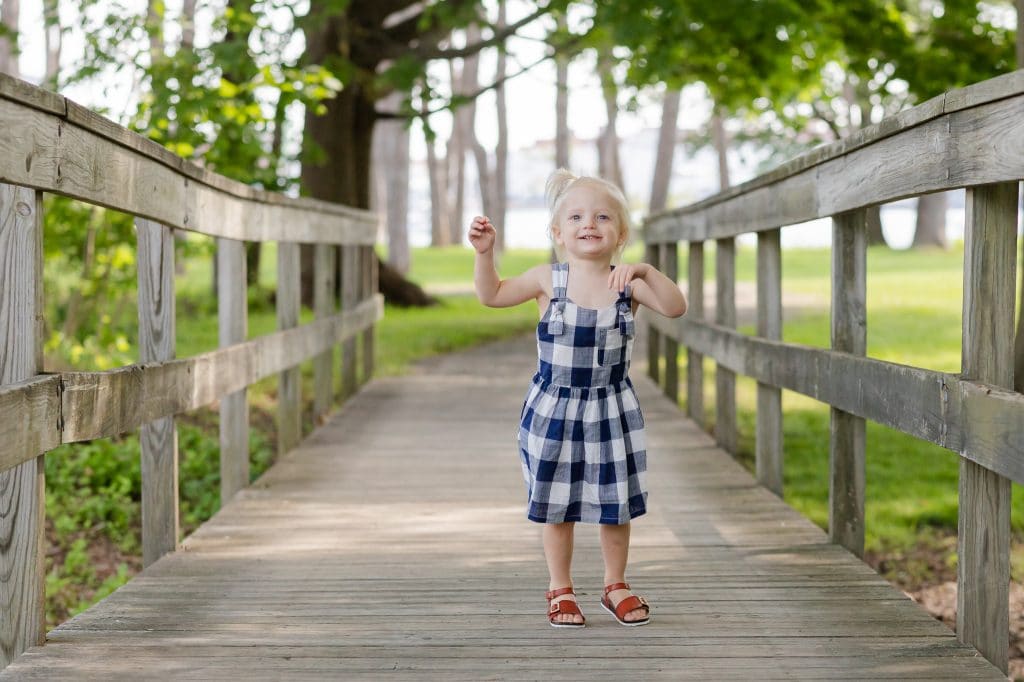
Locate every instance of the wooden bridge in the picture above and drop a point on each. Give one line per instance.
(392, 543)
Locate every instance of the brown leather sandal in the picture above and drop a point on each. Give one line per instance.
(566, 606)
(625, 606)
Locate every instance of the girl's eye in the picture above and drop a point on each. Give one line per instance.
(574, 216)
(603, 216)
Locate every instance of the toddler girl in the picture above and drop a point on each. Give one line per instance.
(581, 433)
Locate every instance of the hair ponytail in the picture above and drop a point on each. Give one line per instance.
(558, 183)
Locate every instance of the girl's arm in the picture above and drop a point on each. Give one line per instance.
(491, 289)
(650, 288)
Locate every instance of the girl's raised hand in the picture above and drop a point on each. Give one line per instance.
(625, 273)
(482, 234)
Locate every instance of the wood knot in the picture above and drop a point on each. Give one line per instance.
(23, 209)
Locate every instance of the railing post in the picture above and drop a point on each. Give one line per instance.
(323, 306)
(349, 298)
(289, 427)
(369, 288)
(670, 266)
(233, 324)
(159, 438)
(695, 310)
(22, 489)
(652, 256)
(849, 334)
(768, 445)
(725, 315)
(983, 538)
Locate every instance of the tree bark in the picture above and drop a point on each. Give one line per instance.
(439, 234)
(721, 149)
(155, 25)
(875, 236)
(188, 23)
(666, 151)
(456, 156)
(931, 221)
(501, 149)
(609, 167)
(562, 136)
(392, 180)
(53, 36)
(336, 152)
(9, 15)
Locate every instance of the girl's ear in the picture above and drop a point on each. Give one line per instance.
(556, 234)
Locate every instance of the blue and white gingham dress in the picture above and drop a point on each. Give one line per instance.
(581, 434)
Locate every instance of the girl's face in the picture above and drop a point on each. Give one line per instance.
(587, 225)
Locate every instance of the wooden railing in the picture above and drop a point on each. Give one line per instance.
(49, 144)
(971, 138)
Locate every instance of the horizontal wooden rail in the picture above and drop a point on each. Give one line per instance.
(55, 145)
(962, 138)
(983, 423)
(75, 406)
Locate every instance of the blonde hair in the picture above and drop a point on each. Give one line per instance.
(558, 185)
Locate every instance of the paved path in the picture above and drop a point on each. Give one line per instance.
(393, 545)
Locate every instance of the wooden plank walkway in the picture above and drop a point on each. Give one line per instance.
(393, 544)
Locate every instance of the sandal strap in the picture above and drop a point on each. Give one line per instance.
(629, 604)
(566, 606)
(615, 586)
(559, 592)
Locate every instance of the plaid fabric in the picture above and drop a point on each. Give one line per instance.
(581, 433)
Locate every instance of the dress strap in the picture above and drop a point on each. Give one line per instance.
(624, 305)
(559, 280)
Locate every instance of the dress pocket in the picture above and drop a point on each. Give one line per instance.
(611, 347)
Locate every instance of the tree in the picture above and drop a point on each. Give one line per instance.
(10, 12)
(666, 150)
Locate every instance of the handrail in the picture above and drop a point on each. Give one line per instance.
(52, 145)
(965, 138)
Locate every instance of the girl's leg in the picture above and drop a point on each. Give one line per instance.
(558, 539)
(615, 549)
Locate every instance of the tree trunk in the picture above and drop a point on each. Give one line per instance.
(456, 156)
(9, 13)
(188, 23)
(562, 102)
(931, 221)
(53, 37)
(392, 180)
(501, 149)
(155, 26)
(609, 167)
(666, 151)
(721, 148)
(875, 236)
(439, 234)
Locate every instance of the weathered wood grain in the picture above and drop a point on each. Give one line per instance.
(233, 327)
(670, 267)
(725, 315)
(368, 287)
(60, 147)
(695, 310)
(927, 404)
(156, 390)
(427, 525)
(849, 335)
(652, 255)
(31, 423)
(324, 305)
(983, 538)
(288, 302)
(158, 439)
(768, 441)
(22, 615)
(946, 145)
(349, 298)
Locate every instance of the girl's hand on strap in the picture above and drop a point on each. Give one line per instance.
(482, 234)
(625, 273)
